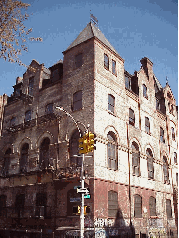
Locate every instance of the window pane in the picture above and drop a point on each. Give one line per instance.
(168, 208)
(106, 61)
(137, 206)
(31, 85)
(77, 100)
(78, 60)
(114, 67)
(112, 203)
(49, 108)
(28, 116)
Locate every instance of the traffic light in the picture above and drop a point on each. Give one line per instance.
(83, 145)
(86, 210)
(91, 142)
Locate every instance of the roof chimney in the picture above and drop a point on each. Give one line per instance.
(147, 65)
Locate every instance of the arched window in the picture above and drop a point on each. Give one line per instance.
(3, 199)
(150, 165)
(7, 157)
(112, 203)
(24, 158)
(165, 170)
(137, 206)
(112, 151)
(74, 149)
(44, 153)
(152, 206)
(135, 159)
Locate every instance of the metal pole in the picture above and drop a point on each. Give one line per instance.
(82, 218)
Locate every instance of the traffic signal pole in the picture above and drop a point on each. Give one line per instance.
(82, 218)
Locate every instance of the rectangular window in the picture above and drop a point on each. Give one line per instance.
(114, 67)
(175, 157)
(77, 101)
(78, 60)
(162, 135)
(147, 125)
(106, 61)
(13, 122)
(145, 91)
(28, 116)
(128, 83)
(31, 86)
(111, 103)
(157, 104)
(168, 208)
(112, 203)
(131, 117)
(19, 205)
(173, 133)
(49, 108)
(177, 179)
(137, 206)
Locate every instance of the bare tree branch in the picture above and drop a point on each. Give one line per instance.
(13, 33)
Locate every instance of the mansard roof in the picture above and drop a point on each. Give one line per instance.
(89, 32)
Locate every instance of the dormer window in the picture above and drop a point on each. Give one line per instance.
(28, 116)
(31, 86)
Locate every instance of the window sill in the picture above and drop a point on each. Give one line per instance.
(112, 113)
(149, 133)
(115, 74)
(146, 97)
(112, 169)
(77, 109)
(106, 68)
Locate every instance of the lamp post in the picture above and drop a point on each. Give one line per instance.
(82, 174)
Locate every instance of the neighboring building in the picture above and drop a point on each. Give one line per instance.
(132, 174)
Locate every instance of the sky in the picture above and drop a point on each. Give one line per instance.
(136, 29)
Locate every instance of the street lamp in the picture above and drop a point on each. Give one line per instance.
(82, 174)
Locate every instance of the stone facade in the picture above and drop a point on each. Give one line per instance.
(132, 174)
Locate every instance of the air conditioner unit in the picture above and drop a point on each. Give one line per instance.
(39, 211)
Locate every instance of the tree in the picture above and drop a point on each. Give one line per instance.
(13, 34)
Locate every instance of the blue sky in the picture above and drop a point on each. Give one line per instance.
(135, 28)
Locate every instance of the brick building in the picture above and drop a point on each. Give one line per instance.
(132, 174)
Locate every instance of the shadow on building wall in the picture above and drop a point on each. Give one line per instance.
(120, 229)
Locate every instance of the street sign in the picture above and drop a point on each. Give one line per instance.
(87, 196)
(77, 186)
(82, 190)
(75, 199)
